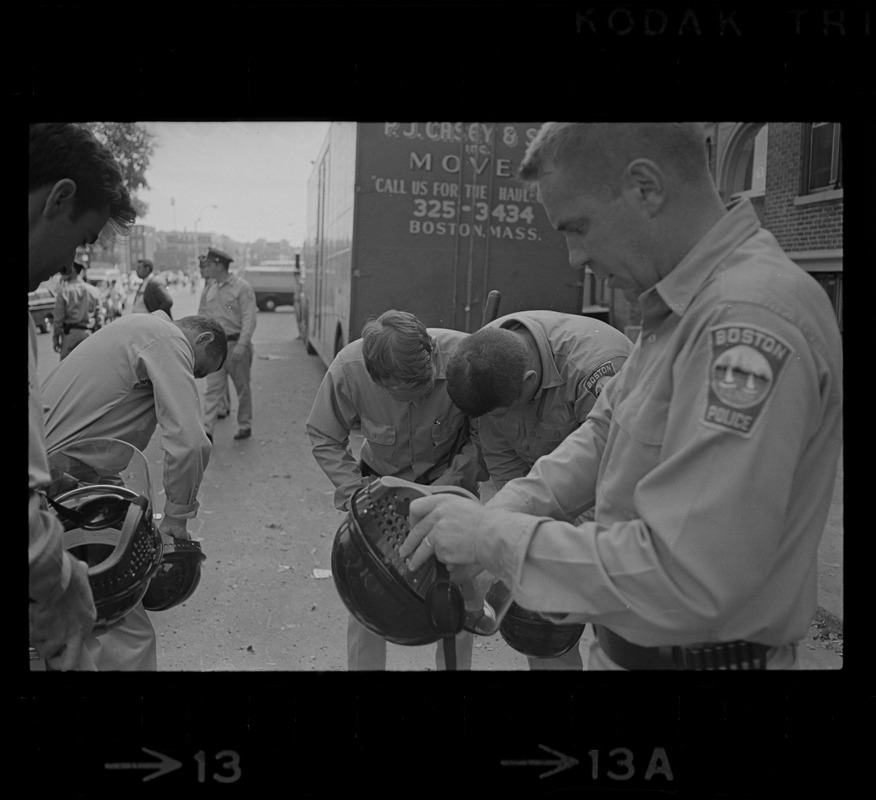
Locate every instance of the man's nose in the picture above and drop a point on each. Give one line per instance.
(578, 256)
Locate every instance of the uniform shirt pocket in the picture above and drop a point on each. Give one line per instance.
(445, 428)
(643, 418)
(376, 433)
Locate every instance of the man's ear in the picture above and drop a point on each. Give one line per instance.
(60, 199)
(204, 338)
(645, 184)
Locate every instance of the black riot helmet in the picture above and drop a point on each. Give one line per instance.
(110, 528)
(178, 575)
(531, 634)
(403, 607)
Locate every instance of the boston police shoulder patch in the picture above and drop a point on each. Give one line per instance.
(598, 378)
(744, 368)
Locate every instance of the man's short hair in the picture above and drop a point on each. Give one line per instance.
(218, 348)
(60, 150)
(486, 371)
(397, 350)
(601, 150)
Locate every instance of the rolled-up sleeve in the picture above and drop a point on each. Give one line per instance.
(169, 364)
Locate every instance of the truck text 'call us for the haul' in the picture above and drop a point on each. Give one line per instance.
(429, 218)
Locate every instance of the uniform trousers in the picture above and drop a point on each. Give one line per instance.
(570, 660)
(129, 646)
(367, 650)
(217, 385)
(72, 340)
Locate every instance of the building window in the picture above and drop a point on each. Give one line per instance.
(745, 173)
(823, 157)
(832, 283)
(748, 173)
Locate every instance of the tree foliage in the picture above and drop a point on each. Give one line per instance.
(132, 146)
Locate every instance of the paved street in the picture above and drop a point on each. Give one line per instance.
(267, 523)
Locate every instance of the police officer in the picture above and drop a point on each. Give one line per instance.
(75, 190)
(122, 383)
(711, 457)
(530, 379)
(391, 384)
(75, 308)
(230, 301)
(151, 294)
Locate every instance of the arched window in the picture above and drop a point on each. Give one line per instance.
(743, 164)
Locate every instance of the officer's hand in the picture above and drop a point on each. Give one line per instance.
(443, 525)
(176, 528)
(237, 352)
(57, 629)
(56, 344)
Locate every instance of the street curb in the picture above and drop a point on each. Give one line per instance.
(832, 622)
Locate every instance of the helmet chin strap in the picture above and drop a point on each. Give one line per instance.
(446, 609)
(68, 514)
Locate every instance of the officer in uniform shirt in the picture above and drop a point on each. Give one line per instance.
(75, 306)
(122, 383)
(711, 457)
(230, 301)
(391, 385)
(75, 192)
(530, 379)
(152, 294)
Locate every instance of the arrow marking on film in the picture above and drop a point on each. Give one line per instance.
(559, 764)
(164, 765)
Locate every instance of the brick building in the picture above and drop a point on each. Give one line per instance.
(792, 172)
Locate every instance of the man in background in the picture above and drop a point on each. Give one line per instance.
(151, 294)
(76, 305)
(230, 301)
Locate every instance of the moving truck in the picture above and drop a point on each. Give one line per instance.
(428, 218)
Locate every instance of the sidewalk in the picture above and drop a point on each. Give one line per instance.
(830, 562)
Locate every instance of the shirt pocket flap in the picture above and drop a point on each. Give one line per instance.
(376, 433)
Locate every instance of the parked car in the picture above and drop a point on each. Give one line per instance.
(41, 304)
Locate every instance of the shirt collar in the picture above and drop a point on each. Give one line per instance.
(550, 374)
(440, 360)
(678, 289)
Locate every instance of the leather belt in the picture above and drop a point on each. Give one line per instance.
(708, 656)
(232, 337)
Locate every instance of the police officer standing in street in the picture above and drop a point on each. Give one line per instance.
(529, 379)
(75, 308)
(230, 301)
(711, 457)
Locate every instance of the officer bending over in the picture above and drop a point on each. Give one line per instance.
(391, 385)
(122, 383)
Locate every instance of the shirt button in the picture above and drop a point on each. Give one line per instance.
(652, 337)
